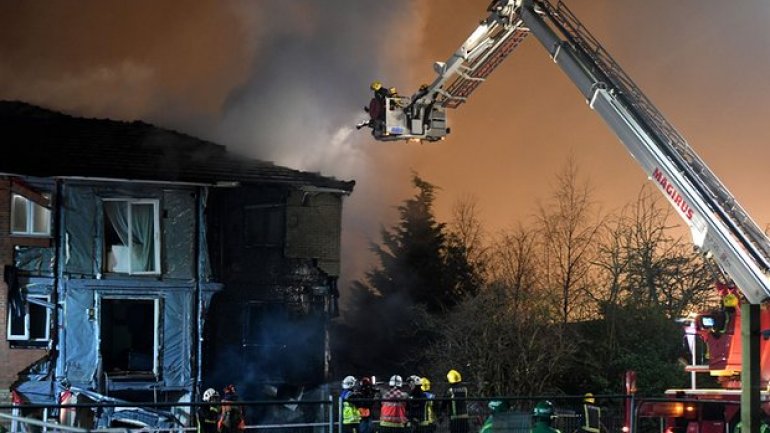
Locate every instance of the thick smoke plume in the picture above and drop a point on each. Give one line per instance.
(283, 81)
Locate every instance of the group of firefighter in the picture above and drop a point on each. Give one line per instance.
(404, 406)
(410, 407)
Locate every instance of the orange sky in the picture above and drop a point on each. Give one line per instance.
(285, 81)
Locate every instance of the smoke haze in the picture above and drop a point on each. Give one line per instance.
(285, 81)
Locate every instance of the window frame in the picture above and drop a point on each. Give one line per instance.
(30, 211)
(17, 338)
(158, 306)
(156, 235)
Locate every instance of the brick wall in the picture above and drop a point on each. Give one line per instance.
(11, 360)
(313, 229)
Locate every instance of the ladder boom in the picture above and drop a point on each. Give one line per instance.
(720, 227)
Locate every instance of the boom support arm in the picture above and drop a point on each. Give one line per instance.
(720, 228)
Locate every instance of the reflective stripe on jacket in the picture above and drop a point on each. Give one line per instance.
(393, 413)
(350, 414)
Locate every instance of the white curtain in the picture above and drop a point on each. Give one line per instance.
(142, 237)
(117, 213)
(142, 231)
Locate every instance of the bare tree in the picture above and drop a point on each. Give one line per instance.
(467, 229)
(660, 268)
(569, 228)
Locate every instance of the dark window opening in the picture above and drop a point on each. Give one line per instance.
(263, 225)
(128, 336)
(38, 322)
(17, 325)
(31, 327)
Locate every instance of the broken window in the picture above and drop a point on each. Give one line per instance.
(129, 336)
(263, 225)
(32, 328)
(28, 217)
(131, 236)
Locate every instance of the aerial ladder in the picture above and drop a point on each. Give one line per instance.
(721, 229)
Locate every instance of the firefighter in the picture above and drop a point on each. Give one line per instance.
(456, 405)
(350, 415)
(542, 417)
(393, 410)
(381, 92)
(495, 407)
(208, 416)
(232, 418)
(591, 414)
(428, 422)
(367, 394)
(415, 406)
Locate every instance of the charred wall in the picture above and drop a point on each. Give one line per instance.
(276, 250)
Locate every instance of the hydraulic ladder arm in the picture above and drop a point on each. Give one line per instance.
(720, 228)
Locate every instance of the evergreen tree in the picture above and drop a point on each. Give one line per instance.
(417, 259)
(422, 268)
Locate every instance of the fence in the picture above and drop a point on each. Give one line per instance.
(318, 416)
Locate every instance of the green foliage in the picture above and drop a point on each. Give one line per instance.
(631, 337)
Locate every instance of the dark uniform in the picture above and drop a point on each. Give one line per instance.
(208, 416)
(457, 408)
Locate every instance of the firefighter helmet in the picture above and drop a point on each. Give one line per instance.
(497, 406)
(210, 394)
(425, 384)
(730, 300)
(230, 394)
(414, 380)
(376, 85)
(543, 411)
(589, 398)
(348, 382)
(453, 376)
(396, 381)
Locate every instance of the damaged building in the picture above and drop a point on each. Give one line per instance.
(141, 264)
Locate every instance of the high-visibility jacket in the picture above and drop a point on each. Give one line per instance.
(350, 414)
(429, 414)
(393, 413)
(488, 424)
(543, 427)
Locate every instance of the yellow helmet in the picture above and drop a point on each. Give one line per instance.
(453, 376)
(425, 384)
(589, 398)
(376, 85)
(730, 300)
(393, 91)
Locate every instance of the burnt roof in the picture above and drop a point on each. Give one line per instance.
(44, 143)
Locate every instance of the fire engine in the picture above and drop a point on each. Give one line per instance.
(721, 229)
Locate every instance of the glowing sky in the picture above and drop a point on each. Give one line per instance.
(286, 80)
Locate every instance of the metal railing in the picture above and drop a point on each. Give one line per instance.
(319, 416)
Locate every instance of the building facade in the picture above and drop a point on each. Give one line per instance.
(141, 264)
